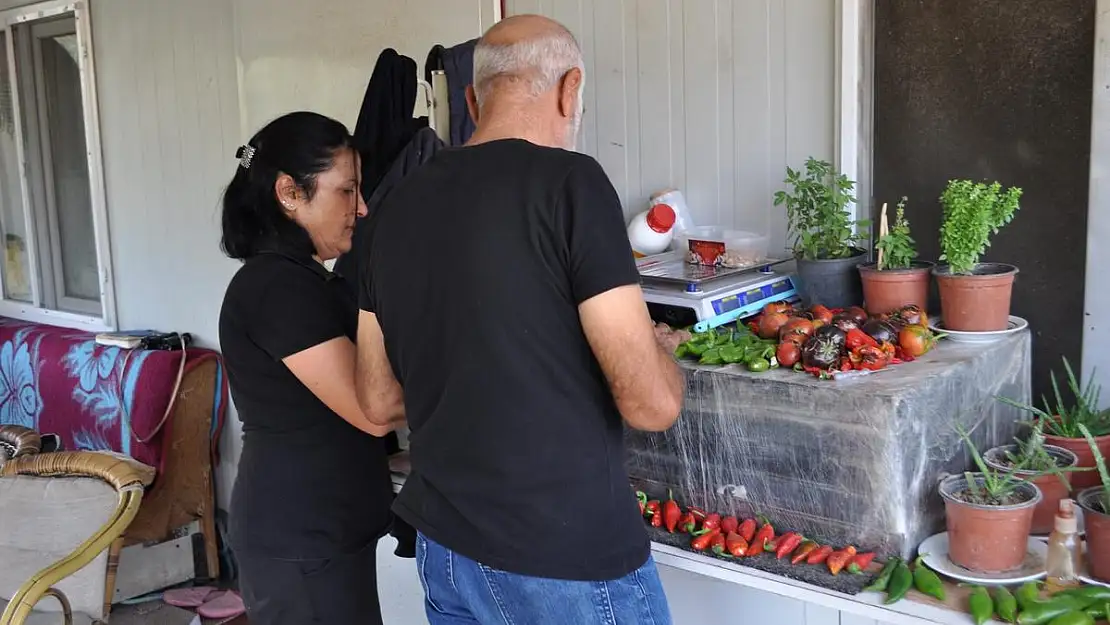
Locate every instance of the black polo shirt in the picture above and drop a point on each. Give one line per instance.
(477, 265)
(309, 483)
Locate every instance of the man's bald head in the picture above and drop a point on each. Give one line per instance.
(522, 59)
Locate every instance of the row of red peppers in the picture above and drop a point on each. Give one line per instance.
(731, 538)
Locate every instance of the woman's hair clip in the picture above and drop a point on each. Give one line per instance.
(245, 154)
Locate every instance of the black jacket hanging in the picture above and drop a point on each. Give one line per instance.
(385, 122)
(458, 64)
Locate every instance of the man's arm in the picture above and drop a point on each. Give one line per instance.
(379, 392)
(328, 370)
(645, 381)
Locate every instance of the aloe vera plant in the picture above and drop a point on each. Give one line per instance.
(1060, 418)
(1100, 462)
(995, 485)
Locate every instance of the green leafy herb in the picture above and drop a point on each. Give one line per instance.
(897, 246)
(817, 211)
(973, 211)
(1062, 419)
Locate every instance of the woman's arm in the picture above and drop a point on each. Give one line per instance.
(379, 392)
(328, 370)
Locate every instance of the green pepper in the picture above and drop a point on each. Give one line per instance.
(758, 364)
(883, 580)
(900, 582)
(1042, 612)
(1005, 605)
(1028, 594)
(712, 356)
(731, 354)
(1096, 593)
(982, 608)
(1073, 618)
(926, 581)
(697, 348)
(682, 350)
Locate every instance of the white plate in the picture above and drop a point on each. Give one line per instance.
(935, 549)
(1017, 324)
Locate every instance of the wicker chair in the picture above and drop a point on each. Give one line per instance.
(125, 476)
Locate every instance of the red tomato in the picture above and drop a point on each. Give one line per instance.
(796, 325)
(915, 340)
(821, 313)
(770, 324)
(788, 353)
(776, 307)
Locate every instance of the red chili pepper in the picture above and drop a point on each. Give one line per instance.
(819, 555)
(671, 514)
(837, 560)
(697, 512)
(729, 524)
(712, 522)
(772, 544)
(860, 562)
(702, 539)
(736, 544)
(642, 498)
(747, 530)
(803, 552)
(856, 338)
(717, 543)
(765, 535)
(655, 510)
(788, 544)
(867, 357)
(688, 523)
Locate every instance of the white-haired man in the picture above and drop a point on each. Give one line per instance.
(503, 299)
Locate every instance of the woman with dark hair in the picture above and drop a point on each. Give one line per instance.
(313, 491)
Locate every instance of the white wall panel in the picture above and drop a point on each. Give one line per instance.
(715, 97)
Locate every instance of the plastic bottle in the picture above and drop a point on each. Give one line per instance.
(651, 231)
(1064, 554)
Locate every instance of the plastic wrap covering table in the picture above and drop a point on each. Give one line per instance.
(851, 461)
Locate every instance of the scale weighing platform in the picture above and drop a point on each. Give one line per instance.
(683, 294)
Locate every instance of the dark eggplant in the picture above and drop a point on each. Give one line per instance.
(857, 314)
(912, 315)
(824, 348)
(845, 322)
(880, 330)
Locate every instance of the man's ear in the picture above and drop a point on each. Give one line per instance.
(472, 103)
(568, 92)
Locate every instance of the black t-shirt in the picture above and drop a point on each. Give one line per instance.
(477, 265)
(309, 484)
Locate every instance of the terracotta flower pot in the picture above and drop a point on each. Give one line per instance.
(888, 290)
(978, 302)
(1097, 527)
(1052, 489)
(1079, 447)
(987, 539)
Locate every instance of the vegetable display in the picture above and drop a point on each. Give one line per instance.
(819, 340)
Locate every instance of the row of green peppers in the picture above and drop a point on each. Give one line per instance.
(896, 578)
(1076, 606)
(733, 347)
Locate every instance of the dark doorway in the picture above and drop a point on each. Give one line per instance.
(995, 90)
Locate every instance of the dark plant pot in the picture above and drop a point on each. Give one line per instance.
(833, 282)
(1097, 529)
(1052, 489)
(1082, 451)
(976, 302)
(888, 290)
(987, 539)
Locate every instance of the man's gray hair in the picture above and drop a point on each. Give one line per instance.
(537, 63)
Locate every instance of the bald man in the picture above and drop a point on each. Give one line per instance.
(503, 316)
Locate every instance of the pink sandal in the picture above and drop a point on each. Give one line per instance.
(188, 597)
(223, 605)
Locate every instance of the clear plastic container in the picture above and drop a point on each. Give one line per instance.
(734, 248)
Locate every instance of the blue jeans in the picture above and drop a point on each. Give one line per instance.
(458, 591)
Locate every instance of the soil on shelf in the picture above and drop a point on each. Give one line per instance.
(1009, 499)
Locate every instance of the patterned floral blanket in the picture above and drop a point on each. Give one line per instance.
(60, 381)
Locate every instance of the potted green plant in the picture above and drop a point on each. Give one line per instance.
(974, 296)
(1095, 502)
(1048, 466)
(1063, 422)
(988, 515)
(896, 279)
(824, 235)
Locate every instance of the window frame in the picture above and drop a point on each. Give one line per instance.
(35, 311)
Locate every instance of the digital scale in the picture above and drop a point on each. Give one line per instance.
(683, 294)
